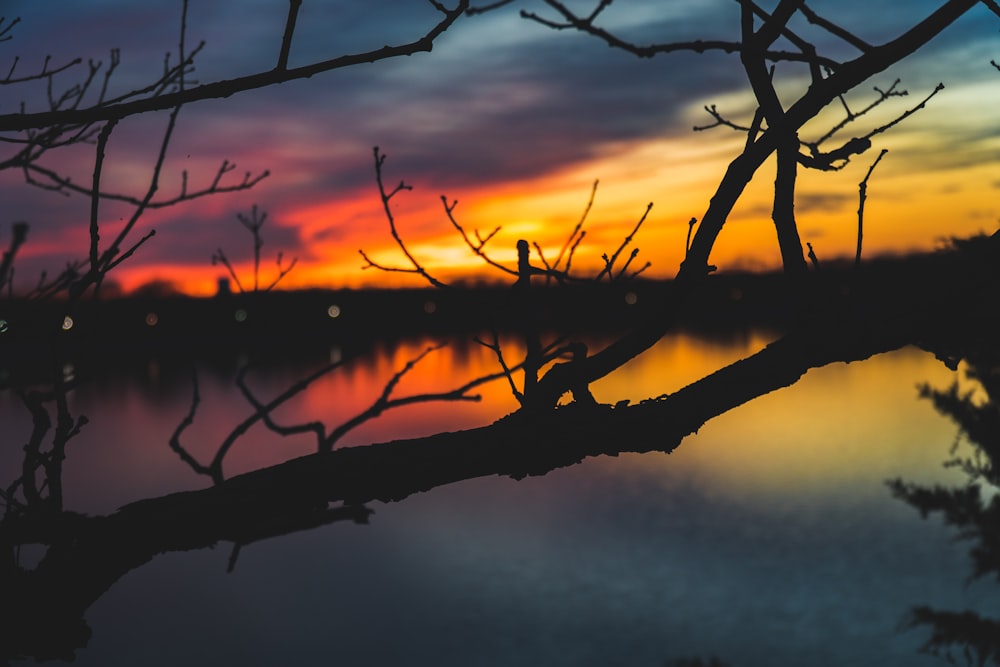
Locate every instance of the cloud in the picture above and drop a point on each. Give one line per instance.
(499, 100)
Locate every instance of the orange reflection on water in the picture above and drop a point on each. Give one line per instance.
(675, 362)
(840, 431)
(355, 387)
(836, 434)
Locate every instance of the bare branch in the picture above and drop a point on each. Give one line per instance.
(282, 271)
(18, 235)
(286, 38)
(583, 24)
(472, 11)
(720, 121)
(265, 410)
(6, 26)
(220, 257)
(851, 116)
(477, 247)
(610, 263)
(128, 253)
(384, 402)
(95, 237)
(573, 240)
(495, 346)
(835, 29)
(992, 6)
(836, 159)
(386, 197)
(185, 423)
(862, 196)
(253, 223)
(226, 88)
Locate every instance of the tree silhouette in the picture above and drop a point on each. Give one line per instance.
(43, 611)
(972, 509)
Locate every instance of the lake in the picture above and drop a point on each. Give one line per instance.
(768, 538)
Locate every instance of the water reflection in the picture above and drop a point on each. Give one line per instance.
(765, 536)
(971, 507)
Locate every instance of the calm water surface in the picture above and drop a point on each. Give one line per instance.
(768, 538)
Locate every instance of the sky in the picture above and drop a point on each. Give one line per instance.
(512, 119)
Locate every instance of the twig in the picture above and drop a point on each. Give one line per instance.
(572, 240)
(495, 346)
(226, 88)
(862, 196)
(386, 197)
(95, 237)
(477, 248)
(609, 263)
(286, 38)
(220, 257)
(19, 233)
(175, 438)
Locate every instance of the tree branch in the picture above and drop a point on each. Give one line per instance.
(226, 88)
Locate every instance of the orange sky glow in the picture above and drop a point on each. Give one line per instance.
(905, 211)
(515, 121)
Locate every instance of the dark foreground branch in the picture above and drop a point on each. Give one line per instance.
(86, 555)
(222, 89)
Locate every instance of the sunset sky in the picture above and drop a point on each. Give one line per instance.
(511, 118)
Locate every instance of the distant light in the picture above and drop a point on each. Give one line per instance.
(69, 372)
(240, 315)
(430, 307)
(631, 298)
(336, 354)
(3, 326)
(67, 323)
(333, 311)
(152, 319)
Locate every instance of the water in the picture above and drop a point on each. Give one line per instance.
(769, 538)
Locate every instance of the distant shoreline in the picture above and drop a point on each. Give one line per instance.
(284, 325)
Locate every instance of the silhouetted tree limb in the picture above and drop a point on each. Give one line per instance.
(810, 103)
(977, 637)
(498, 351)
(64, 185)
(577, 235)
(286, 38)
(972, 508)
(609, 263)
(477, 245)
(862, 196)
(253, 223)
(227, 88)
(38, 489)
(37, 142)
(314, 490)
(326, 439)
(754, 49)
(415, 266)
(472, 11)
(571, 20)
(18, 235)
(762, 143)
